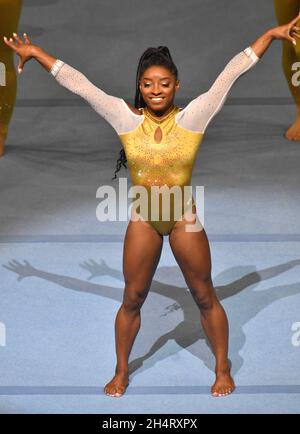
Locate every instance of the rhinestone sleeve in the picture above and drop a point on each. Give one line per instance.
(56, 67)
(197, 115)
(113, 109)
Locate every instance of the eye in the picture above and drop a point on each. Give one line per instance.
(148, 84)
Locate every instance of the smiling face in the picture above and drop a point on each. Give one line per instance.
(158, 86)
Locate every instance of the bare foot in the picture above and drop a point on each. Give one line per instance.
(293, 133)
(117, 386)
(224, 384)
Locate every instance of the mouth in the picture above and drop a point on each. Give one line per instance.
(157, 99)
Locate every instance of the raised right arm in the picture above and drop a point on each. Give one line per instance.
(113, 109)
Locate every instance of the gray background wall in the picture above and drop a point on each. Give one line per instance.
(105, 38)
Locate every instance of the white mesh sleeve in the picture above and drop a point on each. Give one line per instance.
(200, 111)
(113, 109)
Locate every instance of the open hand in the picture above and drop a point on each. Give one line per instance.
(23, 49)
(23, 270)
(288, 31)
(97, 269)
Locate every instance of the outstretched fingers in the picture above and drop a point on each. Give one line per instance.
(294, 20)
(295, 35)
(26, 39)
(294, 31)
(17, 39)
(10, 42)
(291, 30)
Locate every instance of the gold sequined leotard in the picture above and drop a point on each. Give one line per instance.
(169, 162)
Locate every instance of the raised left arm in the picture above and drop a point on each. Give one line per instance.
(197, 115)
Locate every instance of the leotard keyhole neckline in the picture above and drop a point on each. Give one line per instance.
(158, 135)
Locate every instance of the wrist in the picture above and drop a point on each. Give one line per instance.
(270, 34)
(36, 51)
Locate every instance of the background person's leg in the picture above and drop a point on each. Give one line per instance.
(142, 250)
(10, 11)
(285, 11)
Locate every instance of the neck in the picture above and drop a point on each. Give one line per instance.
(159, 114)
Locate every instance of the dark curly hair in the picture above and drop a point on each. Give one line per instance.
(152, 56)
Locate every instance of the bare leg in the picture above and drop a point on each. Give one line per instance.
(191, 251)
(142, 250)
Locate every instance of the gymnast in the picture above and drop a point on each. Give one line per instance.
(160, 143)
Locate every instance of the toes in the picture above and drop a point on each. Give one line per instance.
(227, 391)
(214, 393)
(120, 391)
(222, 391)
(114, 391)
(108, 391)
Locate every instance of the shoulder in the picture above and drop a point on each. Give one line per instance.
(133, 108)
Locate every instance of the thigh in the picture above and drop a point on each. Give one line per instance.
(141, 254)
(192, 253)
(286, 10)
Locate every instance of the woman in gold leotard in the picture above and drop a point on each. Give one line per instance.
(10, 11)
(160, 142)
(285, 10)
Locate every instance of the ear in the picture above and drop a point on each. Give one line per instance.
(177, 85)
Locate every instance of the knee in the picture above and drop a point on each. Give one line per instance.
(205, 302)
(203, 293)
(199, 280)
(133, 299)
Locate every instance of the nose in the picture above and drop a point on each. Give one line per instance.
(156, 91)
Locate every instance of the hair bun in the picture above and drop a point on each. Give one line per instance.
(163, 49)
